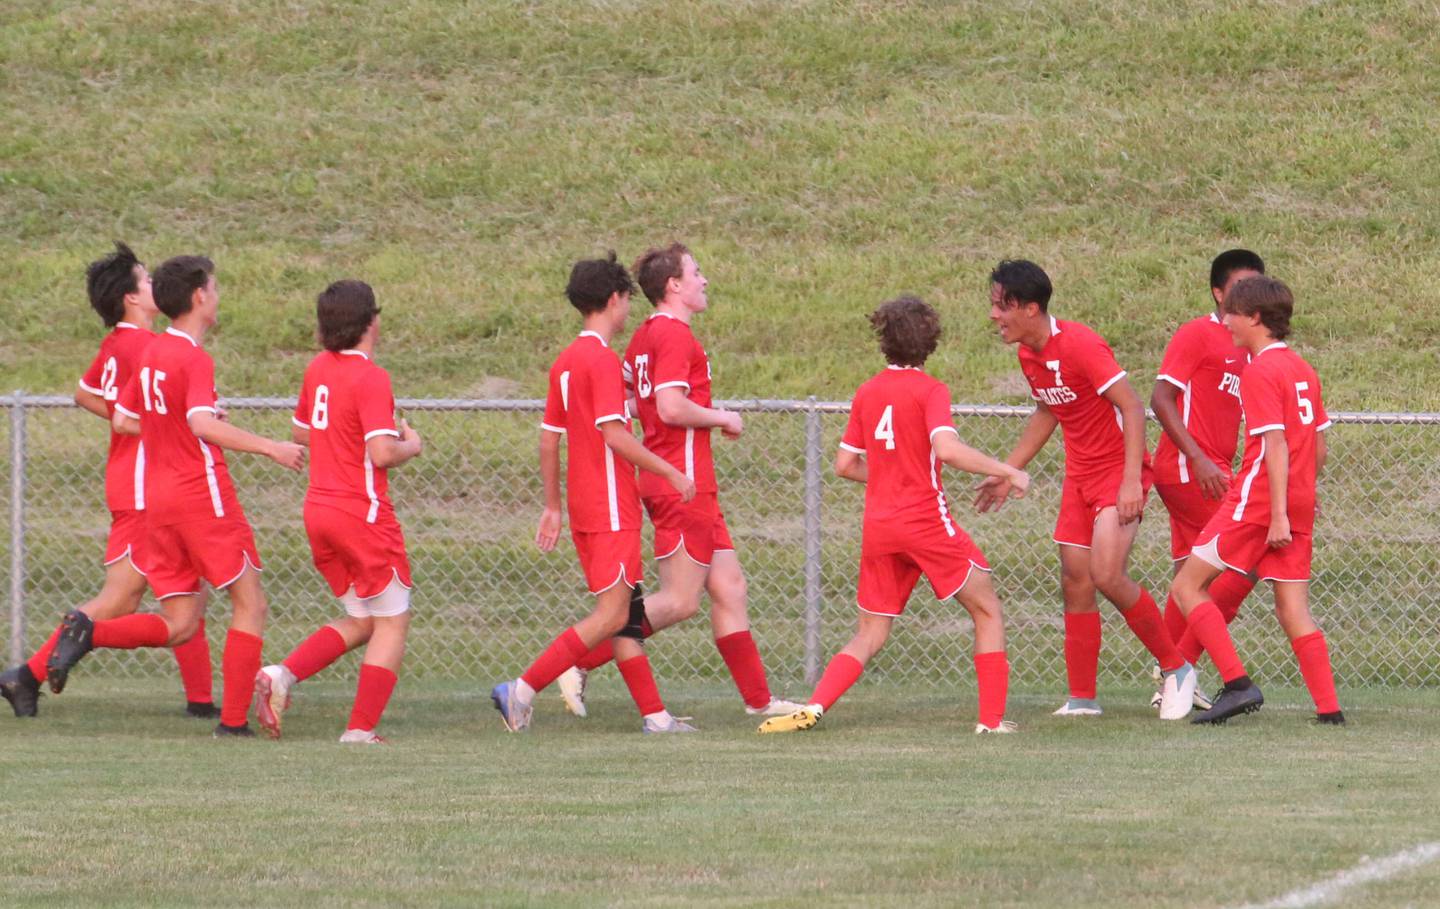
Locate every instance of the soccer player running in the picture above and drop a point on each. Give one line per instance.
(195, 528)
(669, 372)
(1078, 386)
(1265, 522)
(1197, 401)
(346, 415)
(586, 404)
(900, 432)
(119, 290)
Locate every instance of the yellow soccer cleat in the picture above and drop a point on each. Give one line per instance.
(802, 719)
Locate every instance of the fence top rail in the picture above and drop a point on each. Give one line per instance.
(750, 405)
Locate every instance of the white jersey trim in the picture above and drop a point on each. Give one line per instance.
(126, 325)
(684, 385)
(690, 453)
(352, 352)
(98, 392)
(1110, 381)
(940, 497)
(610, 491)
(1184, 421)
(610, 418)
(140, 477)
(381, 432)
(1249, 481)
(211, 480)
(944, 429)
(180, 334)
(1258, 430)
(127, 412)
(1172, 380)
(200, 407)
(370, 490)
(1324, 426)
(298, 422)
(593, 334)
(548, 428)
(847, 447)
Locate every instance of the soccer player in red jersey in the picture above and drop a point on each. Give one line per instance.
(1197, 401)
(669, 373)
(346, 416)
(900, 432)
(195, 527)
(1265, 523)
(1078, 386)
(119, 290)
(586, 405)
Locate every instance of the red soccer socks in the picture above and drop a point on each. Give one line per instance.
(193, 658)
(238, 665)
(641, 682)
(1208, 626)
(992, 677)
(565, 651)
(844, 670)
(371, 696)
(743, 660)
(42, 656)
(131, 631)
(315, 653)
(1314, 657)
(1144, 620)
(1082, 652)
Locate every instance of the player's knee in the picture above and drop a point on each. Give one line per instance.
(1110, 580)
(182, 628)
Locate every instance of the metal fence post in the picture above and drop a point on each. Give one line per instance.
(17, 529)
(812, 541)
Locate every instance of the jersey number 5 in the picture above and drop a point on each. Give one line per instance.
(885, 429)
(320, 413)
(1307, 410)
(150, 390)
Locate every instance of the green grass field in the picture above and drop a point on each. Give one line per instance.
(891, 800)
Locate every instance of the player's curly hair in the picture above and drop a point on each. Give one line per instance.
(343, 313)
(109, 281)
(1266, 297)
(176, 280)
(594, 281)
(655, 268)
(908, 328)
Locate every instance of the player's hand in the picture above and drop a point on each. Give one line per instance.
(683, 485)
(990, 493)
(733, 425)
(1211, 479)
(411, 437)
(549, 531)
(287, 454)
(1130, 503)
(1279, 535)
(1019, 484)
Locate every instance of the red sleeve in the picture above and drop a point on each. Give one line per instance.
(554, 419)
(937, 410)
(129, 402)
(1263, 400)
(1098, 363)
(199, 383)
(607, 389)
(305, 406)
(1322, 419)
(94, 378)
(377, 407)
(673, 349)
(1183, 357)
(854, 437)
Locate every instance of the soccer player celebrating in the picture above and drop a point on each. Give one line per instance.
(1197, 401)
(119, 289)
(195, 526)
(346, 415)
(899, 433)
(1265, 522)
(586, 404)
(1078, 386)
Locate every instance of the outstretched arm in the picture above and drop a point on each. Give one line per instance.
(620, 440)
(677, 410)
(212, 429)
(1012, 481)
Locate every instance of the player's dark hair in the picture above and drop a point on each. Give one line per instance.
(1266, 297)
(655, 268)
(174, 283)
(1022, 281)
(1231, 261)
(109, 280)
(594, 281)
(343, 313)
(908, 328)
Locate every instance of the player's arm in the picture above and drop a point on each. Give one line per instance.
(1320, 452)
(549, 532)
(210, 428)
(1131, 500)
(1164, 400)
(850, 465)
(300, 435)
(387, 451)
(619, 439)
(92, 402)
(955, 453)
(677, 410)
(1277, 471)
(991, 492)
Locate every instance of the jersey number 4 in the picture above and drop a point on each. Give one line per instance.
(151, 391)
(885, 429)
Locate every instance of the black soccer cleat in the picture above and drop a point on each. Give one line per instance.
(1231, 702)
(1331, 719)
(77, 635)
(18, 686)
(202, 710)
(243, 731)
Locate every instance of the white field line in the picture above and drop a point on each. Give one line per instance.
(1363, 873)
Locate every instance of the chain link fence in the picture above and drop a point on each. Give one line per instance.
(487, 600)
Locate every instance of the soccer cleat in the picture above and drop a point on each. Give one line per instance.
(1079, 707)
(18, 686)
(1203, 701)
(1231, 702)
(272, 697)
(1330, 719)
(513, 714)
(202, 710)
(77, 634)
(361, 737)
(1005, 727)
(667, 724)
(243, 731)
(776, 707)
(572, 689)
(1157, 699)
(800, 720)
(1178, 694)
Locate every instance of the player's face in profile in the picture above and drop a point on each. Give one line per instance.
(1003, 315)
(209, 302)
(1239, 326)
(692, 285)
(620, 309)
(144, 295)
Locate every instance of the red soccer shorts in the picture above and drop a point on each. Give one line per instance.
(698, 525)
(1227, 543)
(886, 580)
(609, 557)
(177, 556)
(351, 553)
(1083, 498)
(1189, 511)
(128, 533)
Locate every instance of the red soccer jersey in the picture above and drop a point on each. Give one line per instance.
(892, 419)
(345, 401)
(663, 353)
(117, 361)
(1070, 375)
(1279, 390)
(185, 477)
(1203, 361)
(586, 390)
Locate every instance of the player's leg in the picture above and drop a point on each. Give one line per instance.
(380, 668)
(1204, 620)
(992, 669)
(240, 660)
(1082, 631)
(730, 621)
(331, 641)
(192, 658)
(1292, 608)
(634, 667)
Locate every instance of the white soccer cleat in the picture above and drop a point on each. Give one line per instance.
(1155, 699)
(667, 723)
(1005, 727)
(1178, 694)
(1202, 700)
(1079, 707)
(361, 737)
(776, 707)
(572, 689)
(272, 697)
